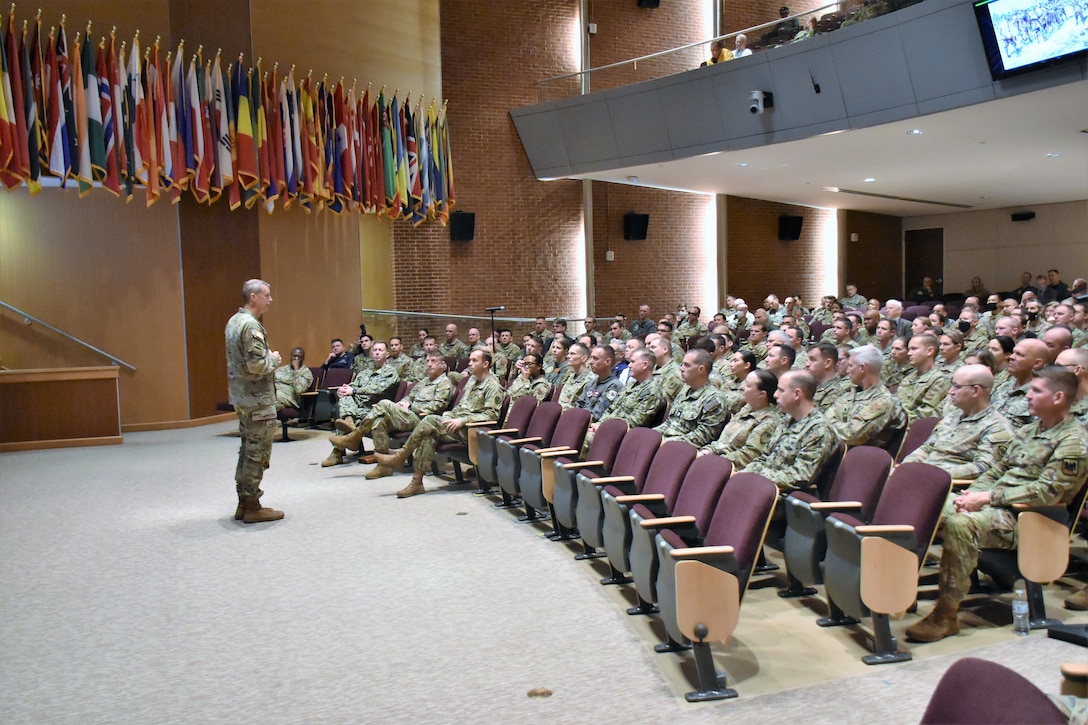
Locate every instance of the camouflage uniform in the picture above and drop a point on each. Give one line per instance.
(362, 361)
(573, 387)
(538, 387)
(637, 403)
(685, 330)
(720, 373)
(947, 369)
(923, 395)
(401, 363)
(480, 401)
(417, 351)
(511, 351)
(1040, 467)
(857, 302)
(250, 381)
(831, 391)
(696, 416)
(891, 372)
(428, 397)
(759, 349)
(608, 337)
(417, 370)
(965, 446)
(746, 435)
(455, 349)
(599, 395)
(872, 417)
(290, 384)
(1080, 411)
(1011, 400)
(796, 452)
(365, 385)
(668, 379)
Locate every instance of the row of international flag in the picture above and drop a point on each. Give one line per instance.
(98, 115)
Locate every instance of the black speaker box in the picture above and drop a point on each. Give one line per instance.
(789, 227)
(635, 226)
(648, 3)
(462, 226)
(1023, 216)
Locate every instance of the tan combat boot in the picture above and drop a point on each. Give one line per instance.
(344, 425)
(350, 441)
(414, 488)
(254, 514)
(240, 512)
(393, 461)
(335, 458)
(1079, 601)
(379, 471)
(940, 623)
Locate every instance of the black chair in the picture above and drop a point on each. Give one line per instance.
(507, 451)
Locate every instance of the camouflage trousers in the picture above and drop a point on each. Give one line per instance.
(387, 416)
(430, 432)
(257, 427)
(964, 535)
(350, 407)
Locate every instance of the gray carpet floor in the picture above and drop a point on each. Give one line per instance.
(129, 595)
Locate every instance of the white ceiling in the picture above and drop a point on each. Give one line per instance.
(985, 156)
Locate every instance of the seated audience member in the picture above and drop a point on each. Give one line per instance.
(977, 289)
(950, 352)
(639, 400)
(1044, 464)
(644, 325)
(869, 414)
(578, 377)
(1076, 361)
(480, 400)
(530, 380)
(823, 366)
(292, 380)
(556, 367)
(339, 357)
(1055, 290)
(757, 341)
(897, 364)
(507, 346)
(360, 351)
(603, 387)
(802, 443)
(747, 433)
(741, 48)
(741, 364)
(427, 397)
(452, 345)
(692, 326)
(779, 359)
(924, 389)
(1011, 399)
(696, 414)
(619, 356)
(667, 375)
(401, 362)
(417, 350)
(718, 53)
(925, 292)
(418, 370)
(852, 300)
(355, 399)
(967, 442)
(1056, 338)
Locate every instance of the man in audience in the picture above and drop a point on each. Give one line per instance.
(616, 331)
(757, 341)
(1008, 326)
(779, 359)
(292, 380)
(639, 400)
(604, 387)
(823, 365)
(1076, 360)
(1011, 398)
(507, 345)
(418, 370)
(1056, 338)
(427, 397)
(969, 442)
(924, 389)
(894, 310)
(796, 340)
(692, 326)
(869, 414)
(1066, 315)
(397, 359)
(697, 414)
(1056, 290)
(480, 400)
(800, 446)
(667, 373)
(339, 357)
(852, 300)
(842, 332)
(452, 345)
(578, 376)
(644, 325)
(355, 399)
(1044, 464)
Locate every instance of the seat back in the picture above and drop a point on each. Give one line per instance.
(974, 691)
(636, 453)
(553, 396)
(335, 377)
(741, 517)
(861, 477)
(669, 467)
(570, 431)
(914, 496)
(701, 489)
(606, 442)
(916, 435)
(542, 424)
(519, 414)
(826, 476)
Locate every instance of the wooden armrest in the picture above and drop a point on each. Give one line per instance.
(962, 482)
(542, 451)
(557, 453)
(478, 423)
(667, 521)
(834, 505)
(604, 481)
(640, 498)
(870, 530)
(523, 441)
(699, 552)
(309, 394)
(500, 431)
(581, 464)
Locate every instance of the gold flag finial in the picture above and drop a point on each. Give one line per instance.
(88, 26)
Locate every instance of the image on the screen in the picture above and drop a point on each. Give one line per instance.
(1032, 31)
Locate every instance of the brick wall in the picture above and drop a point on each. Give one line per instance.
(750, 13)
(759, 263)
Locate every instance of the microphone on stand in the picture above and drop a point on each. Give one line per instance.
(500, 308)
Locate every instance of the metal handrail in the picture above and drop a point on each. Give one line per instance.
(28, 318)
(401, 313)
(678, 49)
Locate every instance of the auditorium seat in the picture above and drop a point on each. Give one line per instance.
(567, 439)
(559, 486)
(514, 425)
(507, 451)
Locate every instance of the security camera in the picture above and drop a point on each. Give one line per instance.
(760, 101)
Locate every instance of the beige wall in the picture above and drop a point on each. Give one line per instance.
(989, 244)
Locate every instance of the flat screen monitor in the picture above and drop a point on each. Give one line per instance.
(1022, 35)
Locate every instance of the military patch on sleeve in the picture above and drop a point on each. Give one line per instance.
(259, 335)
(1070, 466)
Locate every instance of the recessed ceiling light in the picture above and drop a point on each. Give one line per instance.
(869, 180)
(1053, 155)
(984, 196)
(742, 164)
(830, 188)
(914, 132)
(633, 179)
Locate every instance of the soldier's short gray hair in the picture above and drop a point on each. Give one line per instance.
(252, 287)
(868, 356)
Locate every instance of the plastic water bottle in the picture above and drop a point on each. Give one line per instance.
(1020, 611)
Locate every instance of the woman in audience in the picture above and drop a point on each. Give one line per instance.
(980, 356)
(977, 289)
(809, 31)
(742, 363)
(949, 351)
(1001, 347)
(746, 434)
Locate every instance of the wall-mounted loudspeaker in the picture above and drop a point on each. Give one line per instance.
(648, 3)
(1023, 216)
(635, 226)
(789, 227)
(462, 226)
